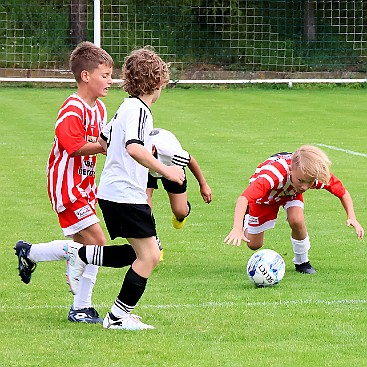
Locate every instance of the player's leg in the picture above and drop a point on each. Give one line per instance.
(149, 192)
(180, 207)
(256, 240)
(80, 222)
(74, 225)
(82, 310)
(30, 254)
(151, 186)
(258, 219)
(139, 229)
(299, 237)
(133, 286)
(135, 280)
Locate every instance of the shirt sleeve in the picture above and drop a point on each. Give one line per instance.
(334, 186)
(135, 125)
(257, 190)
(106, 131)
(70, 133)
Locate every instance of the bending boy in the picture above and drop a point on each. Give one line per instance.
(281, 181)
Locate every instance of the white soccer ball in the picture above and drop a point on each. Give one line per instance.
(265, 268)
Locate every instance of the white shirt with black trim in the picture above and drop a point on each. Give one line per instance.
(123, 179)
(168, 150)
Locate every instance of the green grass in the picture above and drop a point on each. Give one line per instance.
(205, 311)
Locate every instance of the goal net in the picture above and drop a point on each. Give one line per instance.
(203, 40)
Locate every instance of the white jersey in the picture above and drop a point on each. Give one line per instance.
(123, 179)
(168, 150)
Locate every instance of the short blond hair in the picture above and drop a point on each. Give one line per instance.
(87, 56)
(312, 162)
(144, 72)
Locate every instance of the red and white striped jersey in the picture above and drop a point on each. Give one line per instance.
(271, 182)
(69, 178)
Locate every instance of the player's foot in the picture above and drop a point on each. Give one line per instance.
(128, 322)
(178, 223)
(87, 315)
(74, 266)
(160, 247)
(25, 266)
(305, 268)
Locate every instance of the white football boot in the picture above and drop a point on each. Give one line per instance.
(128, 322)
(74, 266)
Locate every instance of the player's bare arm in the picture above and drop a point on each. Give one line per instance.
(347, 203)
(141, 155)
(88, 149)
(102, 143)
(205, 189)
(236, 235)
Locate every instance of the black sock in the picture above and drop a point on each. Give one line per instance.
(83, 254)
(118, 256)
(131, 291)
(110, 256)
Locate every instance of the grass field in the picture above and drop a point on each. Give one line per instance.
(205, 311)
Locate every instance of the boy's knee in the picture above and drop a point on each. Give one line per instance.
(102, 241)
(297, 224)
(155, 259)
(183, 211)
(254, 246)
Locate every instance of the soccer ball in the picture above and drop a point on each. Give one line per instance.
(265, 268)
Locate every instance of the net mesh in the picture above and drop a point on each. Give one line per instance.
(200, 38)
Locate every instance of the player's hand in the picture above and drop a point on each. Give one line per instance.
(175, 174)
(206, 193)
(235, 237)
(359, 229)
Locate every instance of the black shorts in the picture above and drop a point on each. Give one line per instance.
(128, 220)
(169, 186)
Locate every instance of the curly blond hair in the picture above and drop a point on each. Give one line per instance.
(87, 56)
(144, 72)
(313, 162)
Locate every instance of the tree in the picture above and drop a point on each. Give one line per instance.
(77, 21)
(309, 20)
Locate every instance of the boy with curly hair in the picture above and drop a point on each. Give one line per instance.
(279, 181)
(122, 190)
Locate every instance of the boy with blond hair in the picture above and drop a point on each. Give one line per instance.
(122, 190)
(71, 170)
(281, 180)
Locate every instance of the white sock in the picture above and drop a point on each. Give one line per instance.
(118, 311)
(83, 299)
(94, 254)
(300, 249)
(49, 251)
